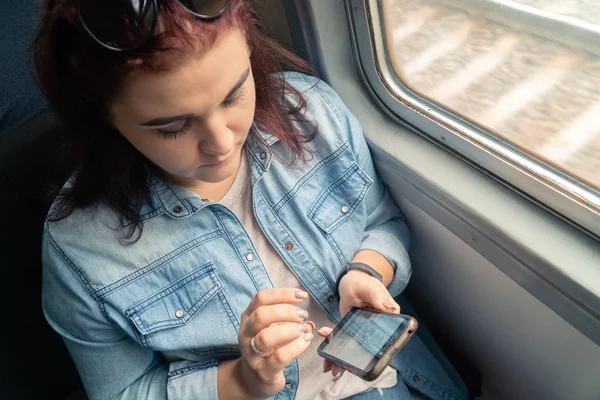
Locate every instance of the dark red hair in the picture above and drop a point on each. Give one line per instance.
(80, 79)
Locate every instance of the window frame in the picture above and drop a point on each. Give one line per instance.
(551, 259)
(549, 187)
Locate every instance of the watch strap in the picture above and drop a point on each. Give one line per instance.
(360, 266)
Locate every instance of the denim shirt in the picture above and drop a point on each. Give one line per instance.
(153, 319)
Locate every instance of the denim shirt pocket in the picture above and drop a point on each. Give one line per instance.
(190, 313)
(341, 202)
(340, 199)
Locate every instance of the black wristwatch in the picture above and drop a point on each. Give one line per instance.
(360, 266)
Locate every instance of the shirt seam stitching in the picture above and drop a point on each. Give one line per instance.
(185, 371)
(106, 290)
(78, 272)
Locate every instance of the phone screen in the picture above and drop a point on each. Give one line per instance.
(362, 336)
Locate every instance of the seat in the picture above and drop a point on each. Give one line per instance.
(36, 363)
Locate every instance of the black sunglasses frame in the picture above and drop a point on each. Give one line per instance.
(155, 19)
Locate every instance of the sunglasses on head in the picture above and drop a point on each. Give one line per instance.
(122, 25)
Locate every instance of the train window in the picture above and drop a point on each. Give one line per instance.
(519, 79)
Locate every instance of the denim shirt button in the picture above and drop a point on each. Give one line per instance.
(177, 209)
(416, 378)
(263, 155)
(289, 385)
(179, 313)
(345, 209)
(331, 299)
(249, 256)
(205, 200)
(289, 246)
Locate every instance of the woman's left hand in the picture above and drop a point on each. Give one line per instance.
(359, 289)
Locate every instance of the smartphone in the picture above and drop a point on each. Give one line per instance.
(366, 341)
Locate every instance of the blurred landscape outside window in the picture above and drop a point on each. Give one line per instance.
(526, 70)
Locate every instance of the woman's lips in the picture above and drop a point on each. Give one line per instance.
(217, 164)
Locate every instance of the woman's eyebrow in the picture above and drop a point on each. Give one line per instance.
(239, 83)
(169, 120)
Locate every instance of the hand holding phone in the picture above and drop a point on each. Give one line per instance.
(366, 341)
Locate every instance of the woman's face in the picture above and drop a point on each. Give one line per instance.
(192, 120)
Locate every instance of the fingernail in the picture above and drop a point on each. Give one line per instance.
(338, 375)
(326, 369)
(303, 326)
(303, 314)
(311, 324)
(308, 337)
(301, 294)
(389, 305)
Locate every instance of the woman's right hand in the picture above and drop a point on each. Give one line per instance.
(280, 334)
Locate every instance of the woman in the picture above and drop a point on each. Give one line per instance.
(215, 201)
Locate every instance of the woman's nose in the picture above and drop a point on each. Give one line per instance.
(217, 139)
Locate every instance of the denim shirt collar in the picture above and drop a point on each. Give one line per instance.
(179, 202)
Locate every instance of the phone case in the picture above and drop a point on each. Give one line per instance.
(386, 357)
